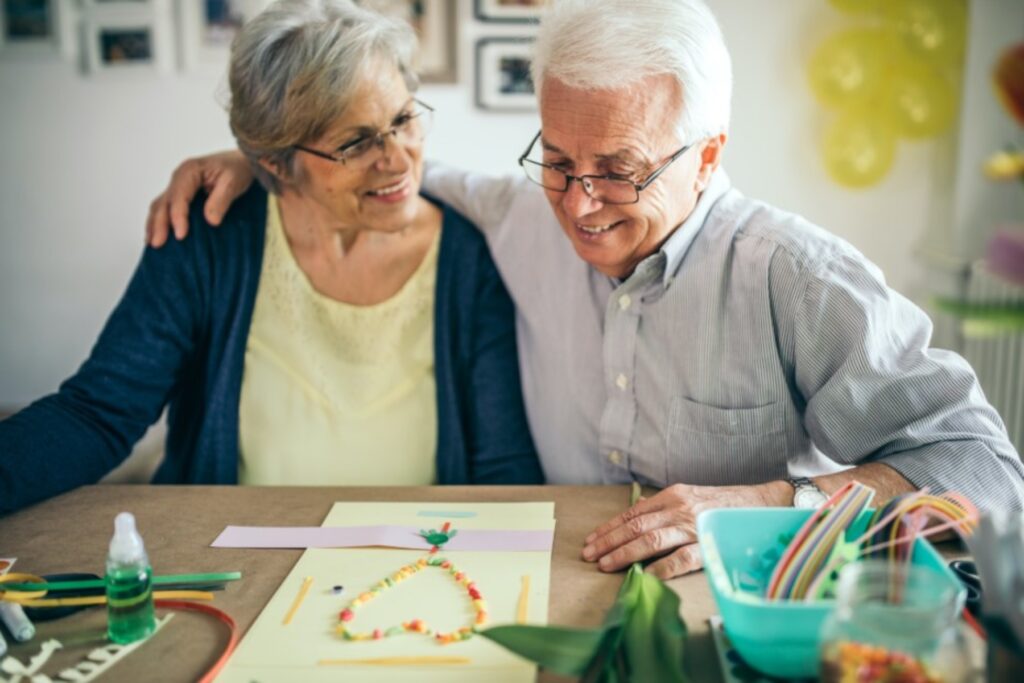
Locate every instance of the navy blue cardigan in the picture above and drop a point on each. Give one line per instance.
(178, 338)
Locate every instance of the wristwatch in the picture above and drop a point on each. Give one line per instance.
(806, 494)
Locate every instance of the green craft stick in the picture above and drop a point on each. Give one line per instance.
(220, 577)
(100, 583)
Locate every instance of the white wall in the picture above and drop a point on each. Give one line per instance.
(80, 159)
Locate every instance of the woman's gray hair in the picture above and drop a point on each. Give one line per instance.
(612, 44)
(294, 68)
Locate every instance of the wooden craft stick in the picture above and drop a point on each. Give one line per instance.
(396, 661)
(102, 599)
(306, 583)
(523, 606)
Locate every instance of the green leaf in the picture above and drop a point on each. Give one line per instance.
(985, 319)
(634, 493)
(563, 650)
(640, 640)
(654, 633)
(607, 666)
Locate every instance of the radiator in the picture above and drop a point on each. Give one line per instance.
(999, 360)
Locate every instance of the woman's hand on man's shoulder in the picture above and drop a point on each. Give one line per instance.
(223, 175)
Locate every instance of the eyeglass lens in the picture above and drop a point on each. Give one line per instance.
(609, 190)
(409, 128)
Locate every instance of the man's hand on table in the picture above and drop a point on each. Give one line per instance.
(665, 526)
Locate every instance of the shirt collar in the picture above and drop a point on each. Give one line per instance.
(678, 243)
(665, 262)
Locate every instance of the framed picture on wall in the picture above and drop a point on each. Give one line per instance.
(207, 27)
(517, 11)
(125, 36)
(434, 22)
(117, 43)
(35, 28)
(503, 81)
(114, 7)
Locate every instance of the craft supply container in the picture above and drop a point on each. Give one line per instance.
(777, 637)
(893, 622)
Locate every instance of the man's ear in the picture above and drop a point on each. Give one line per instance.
(710, 158)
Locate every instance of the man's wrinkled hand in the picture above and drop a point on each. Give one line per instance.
(664, 526)
(224, 176)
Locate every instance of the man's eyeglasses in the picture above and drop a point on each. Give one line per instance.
(608, 189)
(408, 128)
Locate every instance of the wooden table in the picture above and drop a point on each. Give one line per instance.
(71, 533)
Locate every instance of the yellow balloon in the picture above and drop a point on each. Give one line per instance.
(857, 6)
(858, 149)
(847, 68)
(932, 29)
(917, 102)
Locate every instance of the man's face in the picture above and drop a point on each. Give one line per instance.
(629, 133)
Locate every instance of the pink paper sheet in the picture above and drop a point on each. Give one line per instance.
(388, 536)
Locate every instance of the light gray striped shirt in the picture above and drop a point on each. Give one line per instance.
(752, 346)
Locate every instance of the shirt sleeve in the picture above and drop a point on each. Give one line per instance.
(875, 392)
(81, 432)
(483, 199)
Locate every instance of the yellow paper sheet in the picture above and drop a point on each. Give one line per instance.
(272, 651)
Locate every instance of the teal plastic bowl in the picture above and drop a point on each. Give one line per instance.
(779, 638)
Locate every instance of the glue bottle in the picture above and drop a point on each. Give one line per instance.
(129, 584)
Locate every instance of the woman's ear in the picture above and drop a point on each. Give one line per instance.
(272, 168)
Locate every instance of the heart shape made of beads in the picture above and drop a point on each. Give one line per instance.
(415, 625)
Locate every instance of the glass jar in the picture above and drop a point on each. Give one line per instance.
(894, 624)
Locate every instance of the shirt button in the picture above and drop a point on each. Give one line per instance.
(624, 301)
(621, 382)
(615, 457)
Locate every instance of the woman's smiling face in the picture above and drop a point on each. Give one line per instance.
(377, 190)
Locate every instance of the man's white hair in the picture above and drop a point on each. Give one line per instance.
(612, 44)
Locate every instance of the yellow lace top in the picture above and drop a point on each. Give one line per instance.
(336, 394)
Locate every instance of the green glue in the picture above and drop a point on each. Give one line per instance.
(129, 582)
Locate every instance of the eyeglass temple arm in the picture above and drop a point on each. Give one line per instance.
(529, 147)
(654, 176)
(317, 153)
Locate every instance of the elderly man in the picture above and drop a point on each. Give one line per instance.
(676, 332)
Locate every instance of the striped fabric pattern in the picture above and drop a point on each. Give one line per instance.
(753, 346)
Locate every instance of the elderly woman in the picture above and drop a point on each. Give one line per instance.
(345, 331)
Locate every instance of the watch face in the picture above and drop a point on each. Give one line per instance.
(808, 498)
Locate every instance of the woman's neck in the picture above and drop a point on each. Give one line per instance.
(353, 263)
(311, 228)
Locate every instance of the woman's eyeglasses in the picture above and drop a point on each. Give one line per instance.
(409, 128)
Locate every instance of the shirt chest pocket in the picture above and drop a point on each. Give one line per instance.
(707, 445)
